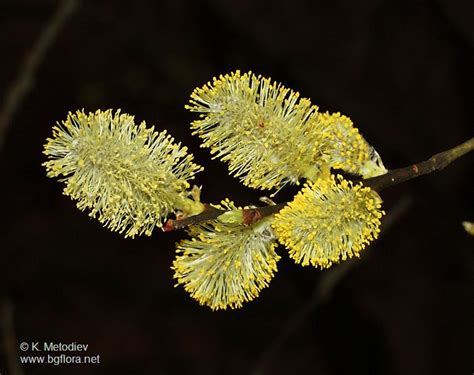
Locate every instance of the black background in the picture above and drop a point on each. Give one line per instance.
(399, 69)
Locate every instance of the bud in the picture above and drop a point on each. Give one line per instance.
(468, 227)
(129, 176)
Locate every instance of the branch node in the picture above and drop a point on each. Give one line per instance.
(251, 216)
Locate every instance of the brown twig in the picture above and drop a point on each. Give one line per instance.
(393, 177)
(209, 213)
(25, 79)
(435, 163)
(249, 216)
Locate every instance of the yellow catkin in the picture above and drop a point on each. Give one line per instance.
(129, 176)
(226, 263)
(329, 221)
(346, 149)
(269, 136)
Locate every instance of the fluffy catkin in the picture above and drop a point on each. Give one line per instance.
(128, 175)
(226, 263)
(269, 136)
(329, 221)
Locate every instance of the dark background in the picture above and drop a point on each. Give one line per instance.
(399, 69)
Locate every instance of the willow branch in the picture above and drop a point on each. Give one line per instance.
(435, 163)
(209, 213)
(392, 177)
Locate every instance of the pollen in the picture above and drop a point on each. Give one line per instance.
(129, 176)
(225, 264)
(329, 221)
